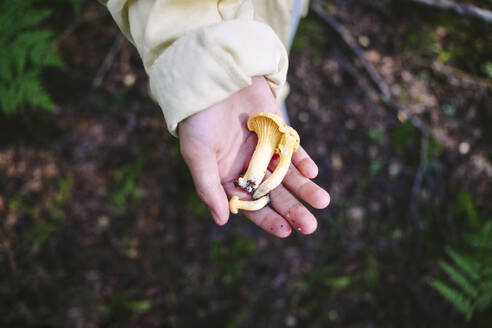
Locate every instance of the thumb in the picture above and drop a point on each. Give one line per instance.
(202, 163)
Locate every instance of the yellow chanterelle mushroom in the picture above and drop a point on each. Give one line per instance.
(269, 128)
(287, 146)
(236, 204)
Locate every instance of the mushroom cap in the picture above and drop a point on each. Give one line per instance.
(295, 136)
(263, 118)
(268, 127)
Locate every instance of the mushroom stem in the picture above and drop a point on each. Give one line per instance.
(286, 147)
(269, 128)
(258, 166)
(235, 204)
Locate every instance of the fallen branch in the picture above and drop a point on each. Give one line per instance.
(352, 43)
(460, 9)
(479, 162)
(417, 181)
(108, 61)
(455, 77)
(78, 21)
(377, 80)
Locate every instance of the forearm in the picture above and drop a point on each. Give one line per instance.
(200, 52)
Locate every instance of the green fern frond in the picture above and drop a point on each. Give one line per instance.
(465, 263)
(32, 89)
(25, 52)
(486, 286)
(471, 274)
(484, 300)
(7, 100)
(459, 279)
(485, 240)
(455, 297)
(487, 272)
(76, 5)
(20, 15)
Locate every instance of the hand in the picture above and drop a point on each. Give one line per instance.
(217, 146)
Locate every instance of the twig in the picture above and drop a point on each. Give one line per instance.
(417, 181)
(479, 162)
(373, 74)
(350, 41)
(455, 77)
(108, 61)
(80, 20)
(459, 8)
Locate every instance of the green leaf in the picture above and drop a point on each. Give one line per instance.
(402, 136)
(18, 16)
(465, 204)
(487, 272)
(376, 135)
(459, 279)
(338, 282)
(140, 306)
(487, 67)
(484, 300)
(486, 287)
(454, 297)
(465, 263)
(40, 233)
(485, 238)
(76, 6)
(25, 51)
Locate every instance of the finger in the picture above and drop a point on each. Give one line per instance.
(270, 221)
(306, 189)
(304, 163)
(205, 172)
(266, 218)
(293, 211)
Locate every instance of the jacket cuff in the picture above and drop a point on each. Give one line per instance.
(207, 65)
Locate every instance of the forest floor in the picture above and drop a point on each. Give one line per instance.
(101, 227)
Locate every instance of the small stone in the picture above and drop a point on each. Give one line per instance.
(50, 170)
(464, 148)
(356, 213)
(129, 80)
(406, 76)
(290, 321)
(441, 32)
(336, 161)
(11, 171)
(102, 222)
(394, 169)
(364, 41)
(132, 253)
(373, 56)
(402, 116)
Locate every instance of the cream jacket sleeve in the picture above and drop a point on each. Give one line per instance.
(199, 52)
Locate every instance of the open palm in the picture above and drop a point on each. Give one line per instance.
(217, 146)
